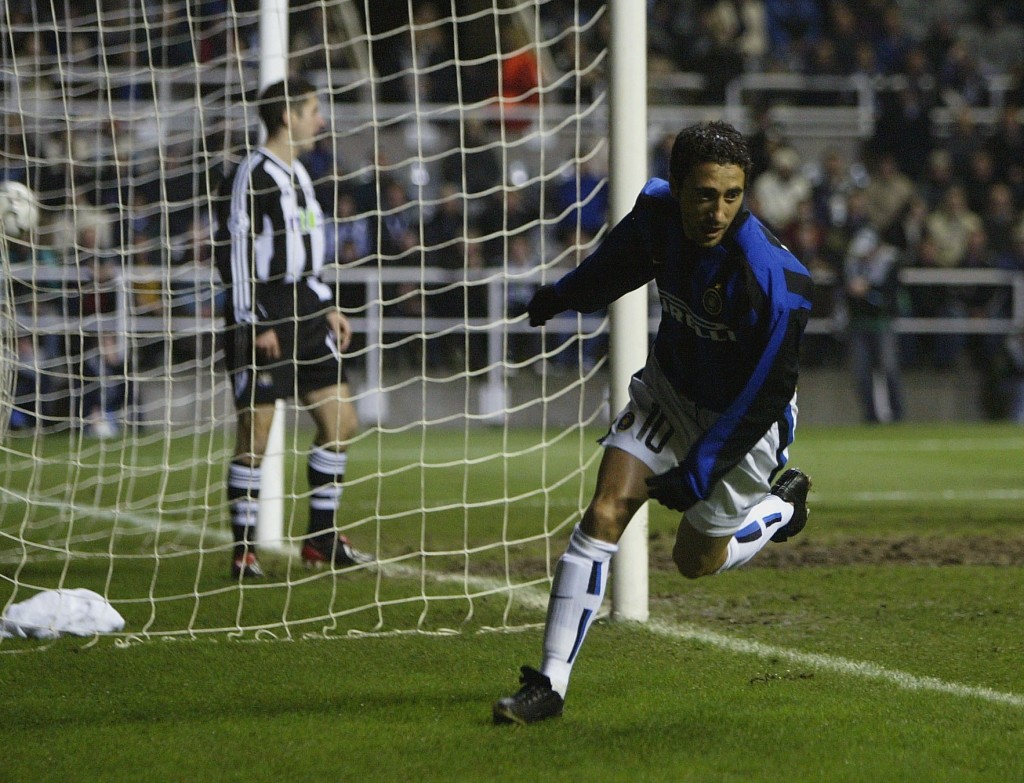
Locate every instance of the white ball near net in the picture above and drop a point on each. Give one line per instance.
(19, 209)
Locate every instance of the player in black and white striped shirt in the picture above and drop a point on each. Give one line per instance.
(284, 333)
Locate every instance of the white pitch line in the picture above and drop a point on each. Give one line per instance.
(537, 599)
(903, 495)
(929, 444)
(833, 663)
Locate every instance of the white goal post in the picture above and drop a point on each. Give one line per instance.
(474, 149)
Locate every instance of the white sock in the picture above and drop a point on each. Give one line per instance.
(761, 524)
(576, 595)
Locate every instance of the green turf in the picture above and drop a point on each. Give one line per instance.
(856, 662)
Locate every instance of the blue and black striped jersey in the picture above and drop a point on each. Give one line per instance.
(731, 322)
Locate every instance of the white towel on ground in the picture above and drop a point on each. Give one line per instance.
(49, 614)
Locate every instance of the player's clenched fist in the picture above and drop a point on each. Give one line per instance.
(545, 305)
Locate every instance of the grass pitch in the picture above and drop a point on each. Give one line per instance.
(883, 644)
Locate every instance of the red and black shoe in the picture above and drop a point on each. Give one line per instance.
(338, 553)
(246, 567)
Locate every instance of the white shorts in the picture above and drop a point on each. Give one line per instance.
(660, 430)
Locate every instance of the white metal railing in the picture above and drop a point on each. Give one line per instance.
(134, 328)
(372, 319)
(920, 276)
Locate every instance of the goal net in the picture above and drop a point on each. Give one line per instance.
(464, 163)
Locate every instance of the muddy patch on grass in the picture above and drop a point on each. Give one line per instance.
(909, 550)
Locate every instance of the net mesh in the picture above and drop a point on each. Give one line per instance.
(463, 164)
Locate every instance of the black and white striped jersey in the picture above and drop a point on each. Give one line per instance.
(269, 242)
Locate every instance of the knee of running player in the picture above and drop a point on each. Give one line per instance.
(696, 554)
(607, 516)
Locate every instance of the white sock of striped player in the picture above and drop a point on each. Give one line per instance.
(243, 490)
(326, 471)
(760, 525)
(576, 595)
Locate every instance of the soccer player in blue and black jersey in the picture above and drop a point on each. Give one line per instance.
(711, 414)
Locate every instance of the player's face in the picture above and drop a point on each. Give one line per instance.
(709, 198)
(306, 123)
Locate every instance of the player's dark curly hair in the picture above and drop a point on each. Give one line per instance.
(276, 98)
(708, 142)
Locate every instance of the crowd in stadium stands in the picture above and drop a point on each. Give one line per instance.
(918, 193)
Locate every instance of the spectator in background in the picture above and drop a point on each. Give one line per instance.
(444, 231)
(196, 296)
(842, 28)
(96, 361)
(473, 163)
(999, 217)
(1013, 345)
(981, 175)
(988, 351)
(893, 42)
(841, 230)
(31, 386)
(582, 72)
(434, 54)
(104, 386)
(871, 284)
(903, 129)
(938, 177)
(1006, 146)
(831, 187)
(445, 248)
(399, 229)
(962, 78)
(887, 192)
(581, 201)
(519, 85)
(1004, 41)
(765, 139)
(805, 238)
(1015, 353)
(941, 35)
(322, 165)
(171, 42)
(950, 224)
(780, 190)
(865, 64)
(522, 265)
(475, 293)
(963, 141)
(512, 211)
(713, 50)
(1013, 258)
(349, 227)
(909, 227)
(399, 245)
(940, 351)
(752, 33)
(793, 26)
(669, 26)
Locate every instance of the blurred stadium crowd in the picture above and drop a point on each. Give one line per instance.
(939, 183)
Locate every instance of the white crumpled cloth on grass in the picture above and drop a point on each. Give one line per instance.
(49, 614)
